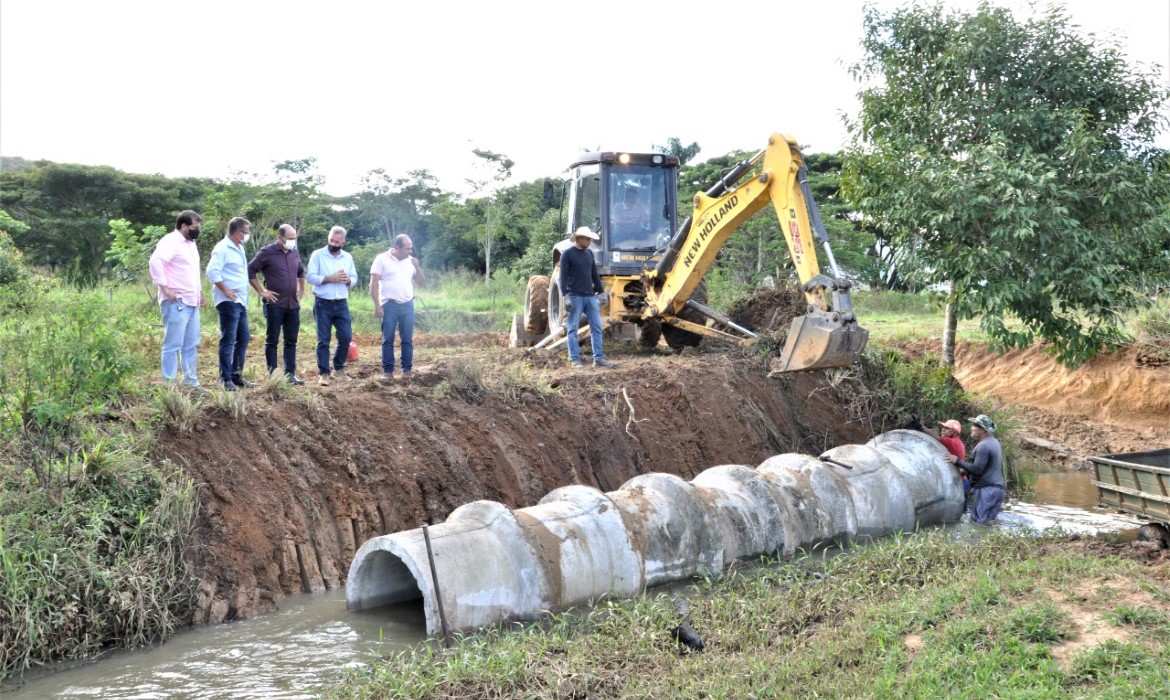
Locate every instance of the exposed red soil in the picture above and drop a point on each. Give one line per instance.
(1113, 404)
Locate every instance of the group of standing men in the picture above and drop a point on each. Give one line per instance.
(175, 266)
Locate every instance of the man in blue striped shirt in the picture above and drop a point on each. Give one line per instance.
(228, 272)
(332, 274)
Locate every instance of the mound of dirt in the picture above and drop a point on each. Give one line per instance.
(768, 310)
(1109, 405)
(292, 487)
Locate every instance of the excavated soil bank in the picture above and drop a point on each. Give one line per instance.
(1112, 404)
(290, 489)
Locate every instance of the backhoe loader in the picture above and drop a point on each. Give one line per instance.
(653, 271)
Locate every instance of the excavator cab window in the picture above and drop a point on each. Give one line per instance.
(639, 214)
(585, 206)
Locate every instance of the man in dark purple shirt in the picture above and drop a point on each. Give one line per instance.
(284, 285)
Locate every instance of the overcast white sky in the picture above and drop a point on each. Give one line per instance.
(204, 88)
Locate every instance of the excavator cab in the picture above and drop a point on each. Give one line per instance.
(630, 200)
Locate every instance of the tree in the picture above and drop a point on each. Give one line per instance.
(130, 253)
(15, 286)
(68, 208)
(674, 147)
(494, 170)
(1015, 159)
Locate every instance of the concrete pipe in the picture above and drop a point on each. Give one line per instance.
(579, 544)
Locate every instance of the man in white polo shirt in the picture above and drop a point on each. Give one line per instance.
(392, 278)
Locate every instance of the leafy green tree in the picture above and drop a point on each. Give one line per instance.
(674, 147)
(1015, 158)
(67, 209)
(130, 252)
(388, 206)
(494, 169)
(15, 284)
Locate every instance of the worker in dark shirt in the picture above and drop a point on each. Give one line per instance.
(985, 470)
(284, 285)
(580, 285)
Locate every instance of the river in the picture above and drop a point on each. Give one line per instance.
(287, 653)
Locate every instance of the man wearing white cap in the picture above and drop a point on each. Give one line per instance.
(986, 470)
(580, 284)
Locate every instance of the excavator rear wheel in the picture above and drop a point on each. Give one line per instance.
(536, 305)
(651, 334)
(677, 338)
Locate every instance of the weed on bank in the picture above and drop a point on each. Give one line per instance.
(92, 534)
(932, 615)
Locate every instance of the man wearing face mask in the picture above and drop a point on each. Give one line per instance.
(174, 268)
(284, 286)
(332, 273)
(228, 271)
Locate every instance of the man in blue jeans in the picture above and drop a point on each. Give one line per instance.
(332, 274)
(392, 278)
(580, 285)
(174, 268)
(227, 269)
(986, 470)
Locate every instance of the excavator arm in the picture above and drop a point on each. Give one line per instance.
(828, 335)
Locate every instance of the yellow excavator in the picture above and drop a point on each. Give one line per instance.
(653, 272)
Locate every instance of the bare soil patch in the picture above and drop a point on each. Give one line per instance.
(1110, 405)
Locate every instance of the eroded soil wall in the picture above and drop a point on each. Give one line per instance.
(292, 488)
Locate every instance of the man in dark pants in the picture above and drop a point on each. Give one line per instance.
(284, 287)
(228, 271)
(580, 285)
(985, 470)
(332, 274)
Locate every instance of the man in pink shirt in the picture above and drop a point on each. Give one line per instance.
(174, 268)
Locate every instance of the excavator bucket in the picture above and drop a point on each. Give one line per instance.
(820, 340)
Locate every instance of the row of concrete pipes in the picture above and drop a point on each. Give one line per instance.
(578, 544)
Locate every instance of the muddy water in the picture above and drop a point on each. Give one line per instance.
(289, 653)
(282, 655)
(1057, 487)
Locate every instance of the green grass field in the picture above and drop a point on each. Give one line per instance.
(937, 614)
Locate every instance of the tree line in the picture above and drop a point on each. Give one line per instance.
(67, 210)
(1007, 161)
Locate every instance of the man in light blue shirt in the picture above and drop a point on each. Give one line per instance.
(332, 273)
(228, 272)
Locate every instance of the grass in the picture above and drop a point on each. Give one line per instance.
(919, 616)
(93, 533)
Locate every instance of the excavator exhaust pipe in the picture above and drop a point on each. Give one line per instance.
(820, 340)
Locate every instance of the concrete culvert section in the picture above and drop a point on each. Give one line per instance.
(579, 544)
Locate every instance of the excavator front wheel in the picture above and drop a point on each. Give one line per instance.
(536, 305)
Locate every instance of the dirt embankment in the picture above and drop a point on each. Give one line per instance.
(291, 489)
(1115, 403)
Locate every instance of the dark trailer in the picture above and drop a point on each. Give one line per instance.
(1137, 483)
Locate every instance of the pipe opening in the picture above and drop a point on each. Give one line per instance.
(384, 579)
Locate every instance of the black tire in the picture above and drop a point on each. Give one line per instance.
(651, 334)
(556, 302)
(536, 305)
(678, 338)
